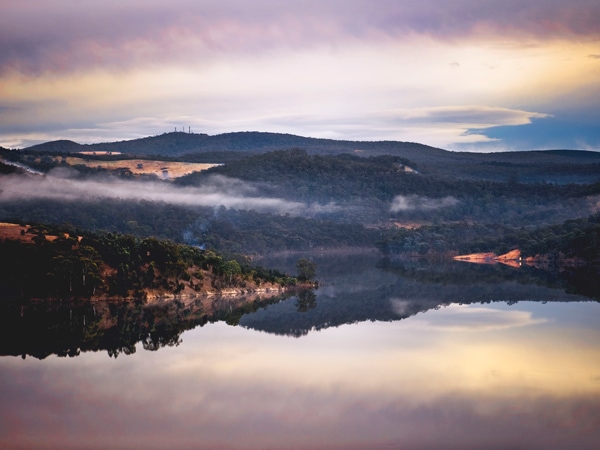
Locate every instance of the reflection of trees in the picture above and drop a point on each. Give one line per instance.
(306, 300)
(401, 289)
(579, 280)
(583, 281)
(66, 329)
(156, 341)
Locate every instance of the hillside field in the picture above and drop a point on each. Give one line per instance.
(162, 169)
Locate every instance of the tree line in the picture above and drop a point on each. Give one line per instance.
(59, 262)
(576, 238)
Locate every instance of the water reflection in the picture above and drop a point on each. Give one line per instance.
(364, 288)
(416, 370)
(41, 328)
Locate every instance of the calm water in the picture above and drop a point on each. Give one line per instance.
(408, 356)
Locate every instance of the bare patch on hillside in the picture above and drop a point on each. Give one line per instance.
(162, 169)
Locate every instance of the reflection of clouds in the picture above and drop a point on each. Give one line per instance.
(475, 318)
(368, 385)
(138, 404)
(400, 307)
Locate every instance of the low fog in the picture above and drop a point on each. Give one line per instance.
(61, 184)
(419, 203)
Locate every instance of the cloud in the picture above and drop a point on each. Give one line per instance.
(61, 184)
(448, 126)
(419, 203)
(434, 125)
(50, 36)
(335, 69)
(471, 116)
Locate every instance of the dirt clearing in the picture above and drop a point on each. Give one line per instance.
(162, 169)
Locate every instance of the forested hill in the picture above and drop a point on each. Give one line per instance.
(560, 166)
(180, 144)
(60, 262)
(60, 146)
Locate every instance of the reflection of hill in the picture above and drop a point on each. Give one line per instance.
(405, 290)
(41, 329)
(354, 288)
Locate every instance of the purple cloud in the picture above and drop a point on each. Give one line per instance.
(51, 36)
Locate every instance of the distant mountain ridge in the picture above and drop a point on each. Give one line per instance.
(180, 143)
(61, 145)
(534, 165)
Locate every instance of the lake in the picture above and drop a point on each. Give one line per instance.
(383, 355)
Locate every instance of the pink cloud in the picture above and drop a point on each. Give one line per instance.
(53, 36)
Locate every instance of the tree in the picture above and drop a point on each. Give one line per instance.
(231, 268)
(306, 269)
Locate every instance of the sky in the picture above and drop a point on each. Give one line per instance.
(475, 75)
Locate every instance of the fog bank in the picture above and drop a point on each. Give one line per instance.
(217, 191)
(420, 203)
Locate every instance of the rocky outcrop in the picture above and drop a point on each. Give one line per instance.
(512, 258)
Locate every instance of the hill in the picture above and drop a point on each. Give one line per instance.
(316, 201)
(179, 144)
(557, 166)
(60, 146)
(282, 192)
(58, 262)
